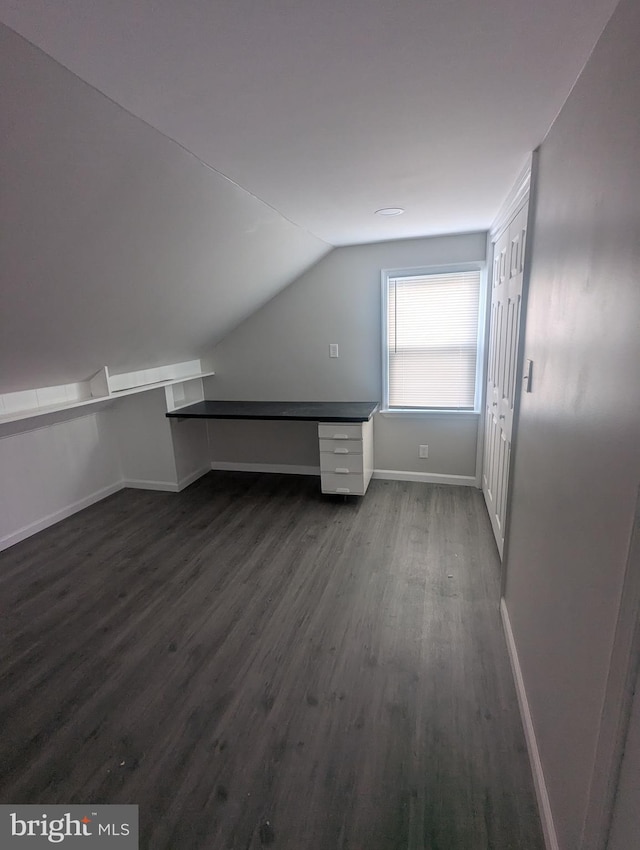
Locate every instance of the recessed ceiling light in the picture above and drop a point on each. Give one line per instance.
(389, 211)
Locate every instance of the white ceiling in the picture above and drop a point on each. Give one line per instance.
(327, 110)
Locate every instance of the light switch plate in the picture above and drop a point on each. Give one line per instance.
(333, 349)
(528, 375)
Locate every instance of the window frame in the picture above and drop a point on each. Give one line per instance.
(417, 271)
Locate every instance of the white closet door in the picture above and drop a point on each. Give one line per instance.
(504, 333)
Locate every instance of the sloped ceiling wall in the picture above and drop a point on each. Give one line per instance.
(329, 110)
(118, 247)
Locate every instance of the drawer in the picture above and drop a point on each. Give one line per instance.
(353, 483)
(340, 464)
(340, 431)
(341, 447)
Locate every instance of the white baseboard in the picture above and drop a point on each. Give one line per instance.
(172, 487)
(166, 486)
(144, 484)
(189, 479)
(387, 474)
(69, 510)
(286, 468)
(426, 477)
(57, 516)
(544, 806)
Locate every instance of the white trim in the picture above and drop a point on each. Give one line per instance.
(99, 383)
(29, 404)
(417, 413)
(435, 269)
(193, 476)
(35, 411)
(424, 477)
(526, 274)
(485, 364)
(286, 468)
(544, 806)
(143, 388)
(482, 345)
(385, 474)
(513, 201)
(144, 484)
(15, 429)
(479, 452)
(58, 516)
(155, 375)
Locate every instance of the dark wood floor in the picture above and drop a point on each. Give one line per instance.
(256, 664)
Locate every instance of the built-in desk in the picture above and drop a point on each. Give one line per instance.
(345, 433)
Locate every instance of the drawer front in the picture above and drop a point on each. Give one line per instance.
(348, 484)
(339, 431)
(341, 447)
(340, 464)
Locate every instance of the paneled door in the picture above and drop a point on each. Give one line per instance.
(502, 378)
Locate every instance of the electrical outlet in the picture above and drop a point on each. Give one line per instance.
(423, 451)
(333, 349)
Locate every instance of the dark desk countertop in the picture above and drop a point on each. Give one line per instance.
(312, 411)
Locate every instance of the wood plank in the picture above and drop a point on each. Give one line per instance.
(254, 663)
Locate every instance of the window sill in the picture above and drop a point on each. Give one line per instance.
(413, 413)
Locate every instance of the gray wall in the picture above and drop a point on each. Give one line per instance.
(117, 246)
(282, 352)
(50, 471)
(577, 460)
(625, 827)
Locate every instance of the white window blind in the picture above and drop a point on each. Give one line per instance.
(432, 340)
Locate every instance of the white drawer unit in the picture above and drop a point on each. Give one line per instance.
(346, 457)
(340, 430)
(346, 485)
(341, 464)
(341, 447)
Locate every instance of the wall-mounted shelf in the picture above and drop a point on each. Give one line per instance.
(182, 383)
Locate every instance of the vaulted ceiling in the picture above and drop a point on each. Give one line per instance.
(330, 109)
(259, 135)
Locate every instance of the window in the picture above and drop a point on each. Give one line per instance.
(431, 340)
